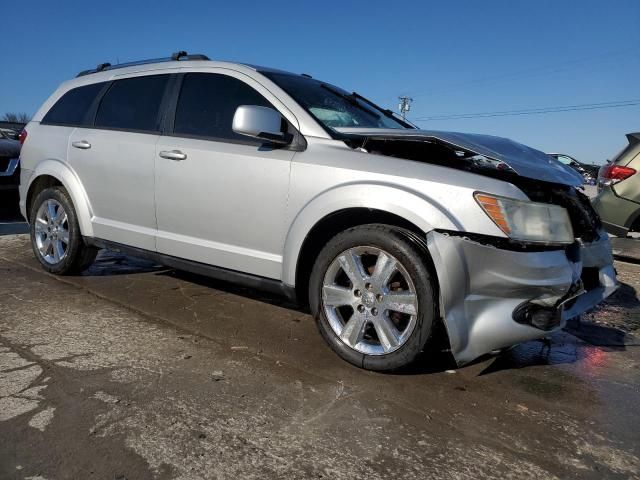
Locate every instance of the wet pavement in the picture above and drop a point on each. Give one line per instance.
(135, 371)
(626, 248)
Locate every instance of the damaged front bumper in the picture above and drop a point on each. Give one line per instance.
(492, 298)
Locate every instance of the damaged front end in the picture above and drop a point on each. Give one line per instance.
(494, 295)
(499, 291)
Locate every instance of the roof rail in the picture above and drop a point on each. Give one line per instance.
(175, 57)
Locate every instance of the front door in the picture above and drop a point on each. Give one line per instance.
(220, 197)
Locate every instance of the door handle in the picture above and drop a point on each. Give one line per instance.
(173, 155)
(82, 144)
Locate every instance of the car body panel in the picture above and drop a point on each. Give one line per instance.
(525, 161)
(9, 164)
(330, 176)
(618, 204)
(588, 172)
(481, 286)
(9, 148)
(234, 220)
(618, 214)
(50, 152)
(125, 160)
(62, 173)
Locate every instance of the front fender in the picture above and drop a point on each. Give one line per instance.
(423, 212)
(69, 180)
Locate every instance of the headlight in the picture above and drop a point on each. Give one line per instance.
(527, 221)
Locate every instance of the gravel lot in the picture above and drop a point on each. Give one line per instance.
(135, 372)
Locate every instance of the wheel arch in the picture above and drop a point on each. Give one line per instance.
(328, 215)
(51, 173)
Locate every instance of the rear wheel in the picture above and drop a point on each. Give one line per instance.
(55, 234)
(373, 298)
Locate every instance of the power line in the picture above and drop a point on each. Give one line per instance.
(589, 61)
(532, 111)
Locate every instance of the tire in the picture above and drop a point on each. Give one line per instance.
(337, 297)
(55, 234)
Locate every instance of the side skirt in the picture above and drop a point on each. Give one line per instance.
(218, 273)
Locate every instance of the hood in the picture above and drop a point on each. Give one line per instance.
(9, 148)
(524, 161)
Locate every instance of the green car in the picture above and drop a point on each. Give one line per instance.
(618, 200)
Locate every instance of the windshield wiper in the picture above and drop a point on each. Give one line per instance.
(351, 98)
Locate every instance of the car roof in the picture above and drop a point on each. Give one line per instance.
(181, 59)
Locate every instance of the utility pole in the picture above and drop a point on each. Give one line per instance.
(404, 106)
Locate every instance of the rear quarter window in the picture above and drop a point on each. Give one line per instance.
(72, 107)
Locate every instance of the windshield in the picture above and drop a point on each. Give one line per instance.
(332, 106)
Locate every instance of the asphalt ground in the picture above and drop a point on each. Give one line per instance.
(134, 371)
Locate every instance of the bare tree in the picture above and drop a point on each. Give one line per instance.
(16, 117)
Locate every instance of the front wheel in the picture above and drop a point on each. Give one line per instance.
(55, 234)
(373, 297)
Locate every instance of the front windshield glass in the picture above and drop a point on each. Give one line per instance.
(332, 106)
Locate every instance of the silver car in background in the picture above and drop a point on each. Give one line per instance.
(283, 182)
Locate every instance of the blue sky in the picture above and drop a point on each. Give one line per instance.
(452, 57)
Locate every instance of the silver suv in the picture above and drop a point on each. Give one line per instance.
(290, 184)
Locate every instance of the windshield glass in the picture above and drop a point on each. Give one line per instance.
(332, 106)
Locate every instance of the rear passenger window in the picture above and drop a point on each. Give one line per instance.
(207, 103)
(72, 107)
(132, 104)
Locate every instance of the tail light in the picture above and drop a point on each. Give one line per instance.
(611, 174)
(22, 136)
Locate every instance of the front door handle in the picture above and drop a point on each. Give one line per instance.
(173, 155)
(82, 144)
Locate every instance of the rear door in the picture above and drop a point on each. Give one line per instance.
(222, 199)
(114, 159)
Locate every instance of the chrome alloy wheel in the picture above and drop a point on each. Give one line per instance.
(52, 231)
(370, 300)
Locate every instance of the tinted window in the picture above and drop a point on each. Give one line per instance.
(72, 107)
(208, 102)
(132, 103)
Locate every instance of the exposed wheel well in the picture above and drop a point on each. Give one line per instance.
(39, 184)
(330, 226)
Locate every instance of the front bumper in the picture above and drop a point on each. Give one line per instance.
(483, 289)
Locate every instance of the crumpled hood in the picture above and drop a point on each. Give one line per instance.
(525, 161)
(9, 148)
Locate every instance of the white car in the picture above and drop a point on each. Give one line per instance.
(287, 183)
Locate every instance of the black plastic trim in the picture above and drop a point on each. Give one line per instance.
(218, 273)
(505, 243)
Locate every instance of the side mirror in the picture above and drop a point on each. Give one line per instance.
(260, 122)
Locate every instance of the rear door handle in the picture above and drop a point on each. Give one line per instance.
(82, 144)
(173, 155)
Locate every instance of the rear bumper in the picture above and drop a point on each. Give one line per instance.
(617, 213)
(492, 298)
